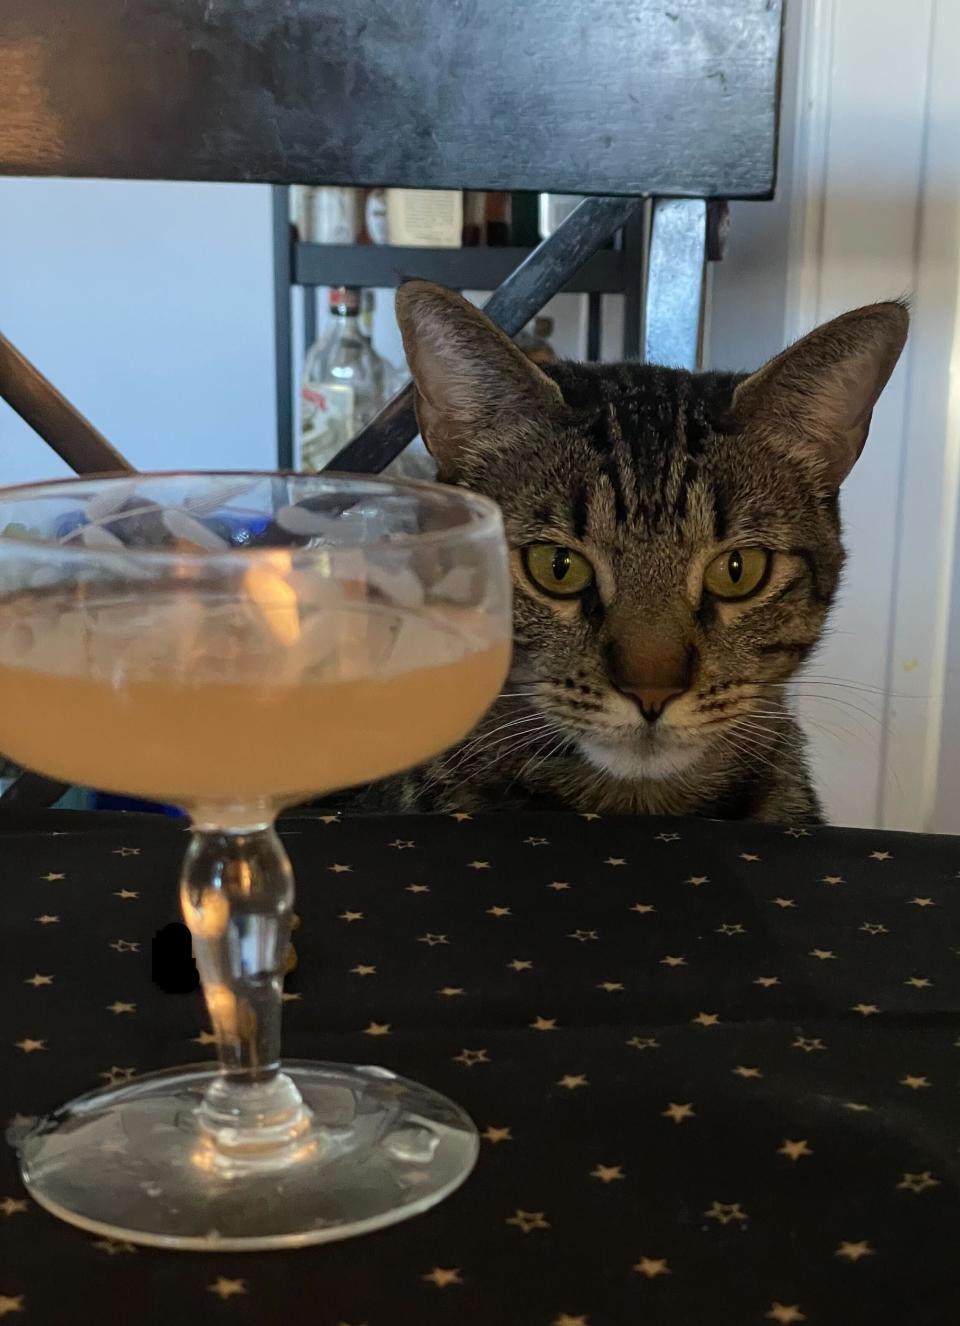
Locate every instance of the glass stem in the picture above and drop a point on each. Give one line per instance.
(236, 892)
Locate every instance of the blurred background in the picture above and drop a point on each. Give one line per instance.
(153, 307)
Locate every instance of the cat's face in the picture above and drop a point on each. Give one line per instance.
(675, 538)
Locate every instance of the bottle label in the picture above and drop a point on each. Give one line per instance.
(336, 218)
(326, 422)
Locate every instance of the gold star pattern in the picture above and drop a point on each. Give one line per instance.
(289, 997)
(706, 1019)
(913, 1082)
(611, 987)
(573, 1080)
(51, 877)
(667, 838)
(919, 982)
(767, 981)
(461, 816)
(114, 1076)
(822, 954)
(730, 929)
(478, 865)
(528, 1221)
(498, 911)
(443, 1276)
(726, 1213)
(451, 991)
(922, 902)
(339, 869)
(495, 1135)
(363, 969)
(785, 1314)
(536, 842)
(918, 1182)
(10, 1303)
(808, 1044)
(651, 1267)
(795, 1150)
(583, 936)
(350, 916)
(865, 1010)
(566, 1320)
(857, 1107)
(559, 886)
(418, 888)
(643, 1043)
(607, 1173)
(470, 1058)
(113, 1247)
(118, 1006)
(544, 1024)
(205, 1038)
(783, 902)
(520, 964)
(46, 919)
(432, 939)
(125, 946)
(588, 816)
(673, 960)
(797, 833)
(30, 1046)
(402, 844)
(642, 908)
(126, 894)
(377, 1029)
(36, 980)
(615, 861)
(833, 880)
(874, 928)
(749, 856)
(697, 880)
(126, 851)
(678, 1113)
(852, 1252)
(12, 1206)
(881, 856)
(225, 1288)
(742, 1070)
(329, 819)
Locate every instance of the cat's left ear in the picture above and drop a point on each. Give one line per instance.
(816, 398)
(474, 387)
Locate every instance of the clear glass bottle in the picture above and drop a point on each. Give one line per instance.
(343, 383)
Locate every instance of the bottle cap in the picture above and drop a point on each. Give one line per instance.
(344, 299)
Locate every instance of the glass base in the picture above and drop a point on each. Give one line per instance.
(136, 1162)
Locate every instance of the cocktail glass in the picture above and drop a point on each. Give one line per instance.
(234, 644)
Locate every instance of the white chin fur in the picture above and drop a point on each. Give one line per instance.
(645, 758)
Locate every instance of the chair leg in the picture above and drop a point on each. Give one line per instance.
(674, 303)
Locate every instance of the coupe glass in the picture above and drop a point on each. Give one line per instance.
(234, 644)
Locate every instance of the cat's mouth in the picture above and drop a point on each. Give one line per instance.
(651, 751)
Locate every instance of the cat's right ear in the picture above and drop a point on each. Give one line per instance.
(474, 387)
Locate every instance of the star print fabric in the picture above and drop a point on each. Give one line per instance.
(713, 1066)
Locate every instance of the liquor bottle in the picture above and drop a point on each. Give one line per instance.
(498, 220)
(524, 220)
(343, 383)
(336, 216)
(554, 208)
(534, 341)
(474, 217)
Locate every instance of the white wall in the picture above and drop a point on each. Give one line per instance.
(149, 305)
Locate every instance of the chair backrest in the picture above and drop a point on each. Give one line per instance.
(585, 96)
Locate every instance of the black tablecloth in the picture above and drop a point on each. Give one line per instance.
(715, 1067)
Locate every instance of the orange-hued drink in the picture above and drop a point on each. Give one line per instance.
(198, 727)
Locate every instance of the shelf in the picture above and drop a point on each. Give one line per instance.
(379, 266)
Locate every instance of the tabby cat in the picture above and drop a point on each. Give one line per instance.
(675, 543)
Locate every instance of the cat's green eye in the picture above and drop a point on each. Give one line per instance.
(736, 574)
(558, 571)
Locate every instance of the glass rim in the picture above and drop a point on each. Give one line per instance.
(485, 518)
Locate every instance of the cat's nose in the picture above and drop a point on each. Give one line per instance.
(652, 672)
(652, 700)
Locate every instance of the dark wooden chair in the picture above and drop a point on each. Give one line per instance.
(639, 105)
